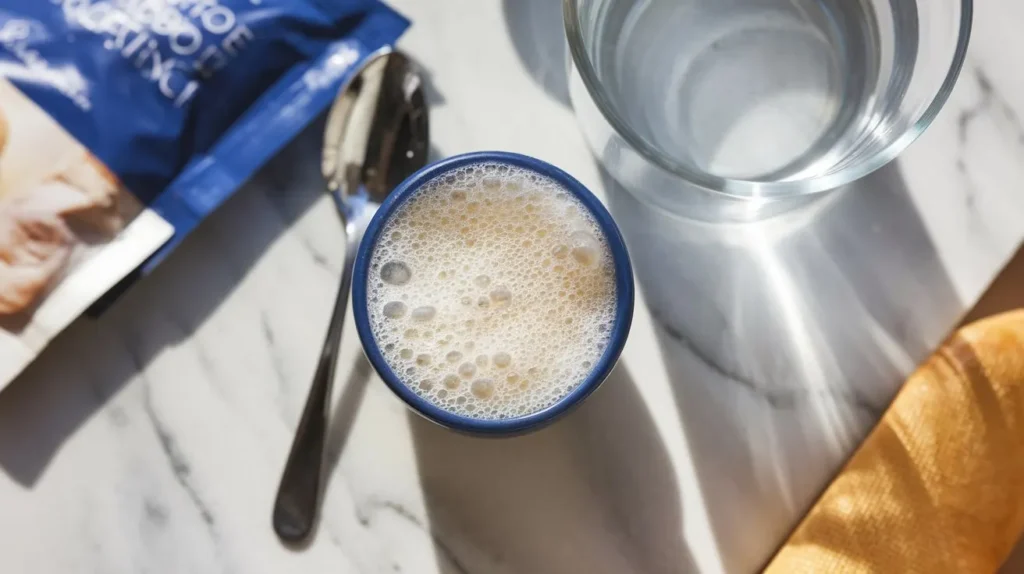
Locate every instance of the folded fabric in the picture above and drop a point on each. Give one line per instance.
(938, 486)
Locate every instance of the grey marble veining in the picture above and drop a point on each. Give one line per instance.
(151, 440)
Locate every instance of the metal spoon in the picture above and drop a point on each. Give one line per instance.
(376, 136)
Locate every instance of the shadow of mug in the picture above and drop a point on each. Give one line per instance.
(594, 492)
(785, 340)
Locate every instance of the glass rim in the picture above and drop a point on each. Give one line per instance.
(744, 188)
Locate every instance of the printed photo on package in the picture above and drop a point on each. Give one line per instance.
(58, 204)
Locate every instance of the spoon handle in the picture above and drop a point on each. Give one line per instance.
(298, 497)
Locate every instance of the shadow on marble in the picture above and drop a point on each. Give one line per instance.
(535, 27)
(785, 341)
(595, 492)
(344, 413)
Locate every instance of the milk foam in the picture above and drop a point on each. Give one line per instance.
(491, 292)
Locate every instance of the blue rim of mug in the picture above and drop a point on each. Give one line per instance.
(623, 284)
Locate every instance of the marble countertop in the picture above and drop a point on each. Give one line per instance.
(152, 439)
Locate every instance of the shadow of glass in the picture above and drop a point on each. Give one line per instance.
(535, 27)
(595, 492)
(785, 340)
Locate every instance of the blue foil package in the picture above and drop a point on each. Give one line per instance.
(123, 123)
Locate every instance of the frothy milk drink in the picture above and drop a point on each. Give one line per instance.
(491, 292)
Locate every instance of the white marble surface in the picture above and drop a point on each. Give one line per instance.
(151, 440)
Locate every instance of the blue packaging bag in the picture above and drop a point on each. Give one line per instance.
(185, 99)
(123, 123)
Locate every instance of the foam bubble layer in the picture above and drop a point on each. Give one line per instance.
(492, 292)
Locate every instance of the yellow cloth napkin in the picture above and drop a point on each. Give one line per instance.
(938, 486)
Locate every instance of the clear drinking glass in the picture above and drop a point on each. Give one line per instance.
(732, 109)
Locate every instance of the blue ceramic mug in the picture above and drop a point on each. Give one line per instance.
(623, 289)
